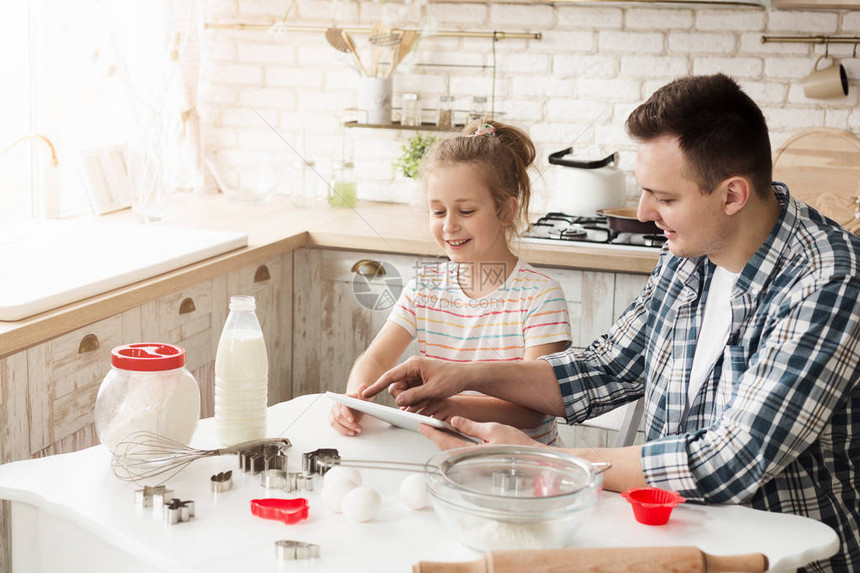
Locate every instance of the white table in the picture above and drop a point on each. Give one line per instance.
(70, 513)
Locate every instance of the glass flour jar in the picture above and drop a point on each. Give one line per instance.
(149, 389)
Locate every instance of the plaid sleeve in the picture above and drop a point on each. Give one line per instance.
(777, 399)
(403, 313)
(547, 319)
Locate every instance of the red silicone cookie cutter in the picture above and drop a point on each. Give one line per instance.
(286, 510)
(652, 505)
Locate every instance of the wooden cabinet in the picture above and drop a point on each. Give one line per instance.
(595, 300)
(48, 392)
(338, 311)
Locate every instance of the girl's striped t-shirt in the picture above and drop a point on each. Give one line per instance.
(528, 309)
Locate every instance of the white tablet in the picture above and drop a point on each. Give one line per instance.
(395, 416)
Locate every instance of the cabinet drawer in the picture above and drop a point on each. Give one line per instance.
(82, 357)
(183, 314)
(342, 266)
(255, 278)
(64, 375)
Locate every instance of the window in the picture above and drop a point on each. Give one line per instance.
(86, 75)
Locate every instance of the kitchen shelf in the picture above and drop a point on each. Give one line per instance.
(398, 125)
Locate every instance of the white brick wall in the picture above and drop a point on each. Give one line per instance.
(593, 62)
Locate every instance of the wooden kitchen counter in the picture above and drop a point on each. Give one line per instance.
(278, 228)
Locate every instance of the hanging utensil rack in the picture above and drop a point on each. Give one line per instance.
(494, 35)
(811, 39)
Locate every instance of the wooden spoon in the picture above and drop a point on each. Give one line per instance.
(348, 39)
(334, 35)
(407, 41)
(381, 38)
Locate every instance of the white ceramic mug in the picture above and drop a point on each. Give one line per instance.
(374, 100)
(826, 83)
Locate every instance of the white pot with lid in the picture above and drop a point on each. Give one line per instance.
(582, 186)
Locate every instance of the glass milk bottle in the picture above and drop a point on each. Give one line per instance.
(241, 376)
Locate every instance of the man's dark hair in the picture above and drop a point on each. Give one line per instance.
(721, 131)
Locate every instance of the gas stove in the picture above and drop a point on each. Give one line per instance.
(559, 229)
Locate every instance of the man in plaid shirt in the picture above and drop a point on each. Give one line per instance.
(744, 342)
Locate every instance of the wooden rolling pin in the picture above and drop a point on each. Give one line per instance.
(614, 559)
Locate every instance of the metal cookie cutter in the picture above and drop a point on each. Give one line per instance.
(287, 481)
(299, 481)
(221, 482)
(274, 479)
(264, 457)
(176, 511)
(152, 496)
(287, 550)
(319, 461)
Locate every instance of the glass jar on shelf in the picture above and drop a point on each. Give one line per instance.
(478, 109)
(302, 184)
(410, 114)
(445, 116)
(342, 189)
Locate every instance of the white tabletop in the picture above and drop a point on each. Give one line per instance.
(81, 490)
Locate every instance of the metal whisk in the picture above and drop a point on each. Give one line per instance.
(146, 455)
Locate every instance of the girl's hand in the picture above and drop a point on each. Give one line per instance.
(490, 433)
(346, 420)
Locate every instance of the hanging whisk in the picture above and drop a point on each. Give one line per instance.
(146, 455)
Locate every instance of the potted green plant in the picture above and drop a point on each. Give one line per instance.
(408, 165)
(409, 161)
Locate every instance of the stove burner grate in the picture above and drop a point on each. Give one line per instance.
(563, 227)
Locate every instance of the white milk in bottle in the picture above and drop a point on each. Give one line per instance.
(241, 376)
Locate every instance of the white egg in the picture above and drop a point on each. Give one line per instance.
(334, 491)
(339, 472)
(413, 493)
(361, 504)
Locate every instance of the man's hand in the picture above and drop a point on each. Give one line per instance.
(490, 433)
(419, 381)
(346, 420)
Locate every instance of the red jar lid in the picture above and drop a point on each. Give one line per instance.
(148, 357)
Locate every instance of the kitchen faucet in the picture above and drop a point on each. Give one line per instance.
(46, 202)
(54, 161)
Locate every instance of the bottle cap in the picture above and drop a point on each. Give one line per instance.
(148, 357)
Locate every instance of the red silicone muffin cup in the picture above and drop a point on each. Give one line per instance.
(652, 505)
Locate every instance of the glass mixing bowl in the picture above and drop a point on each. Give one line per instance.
(512, 497)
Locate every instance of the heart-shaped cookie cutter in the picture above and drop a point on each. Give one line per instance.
(287, 510)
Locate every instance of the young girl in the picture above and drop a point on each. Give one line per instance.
(485, 304)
